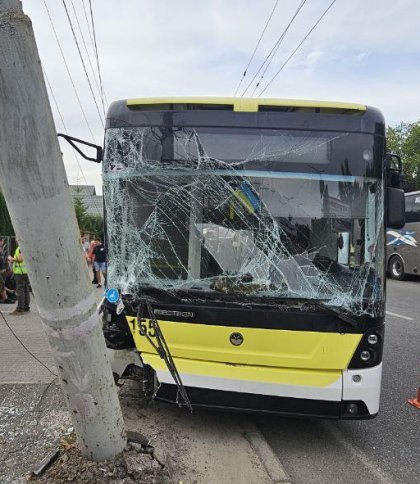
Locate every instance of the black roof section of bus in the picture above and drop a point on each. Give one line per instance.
(193, 114)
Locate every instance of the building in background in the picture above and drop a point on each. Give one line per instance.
(87, 194)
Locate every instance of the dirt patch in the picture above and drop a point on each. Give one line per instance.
(130, 467)
(202, 447)
(33, 418)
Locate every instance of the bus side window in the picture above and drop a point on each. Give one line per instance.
(415, 214)
(409, 212)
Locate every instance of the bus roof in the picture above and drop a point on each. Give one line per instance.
(247, 104)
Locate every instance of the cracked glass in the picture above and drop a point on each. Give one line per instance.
(245, 215)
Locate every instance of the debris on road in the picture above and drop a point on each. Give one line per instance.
(46, 463)
(130, 467)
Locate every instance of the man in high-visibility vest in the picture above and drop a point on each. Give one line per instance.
(22, 282)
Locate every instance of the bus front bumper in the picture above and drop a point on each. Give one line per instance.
(341, 394)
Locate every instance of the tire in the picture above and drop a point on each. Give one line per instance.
(396, 268)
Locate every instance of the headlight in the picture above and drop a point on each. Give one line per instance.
(365, 355)
(369, 351)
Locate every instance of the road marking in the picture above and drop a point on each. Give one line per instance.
(399, 316)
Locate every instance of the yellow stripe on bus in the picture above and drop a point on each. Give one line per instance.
(260, 347)
(245, 104)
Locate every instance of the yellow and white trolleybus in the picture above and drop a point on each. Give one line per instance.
(245, 239)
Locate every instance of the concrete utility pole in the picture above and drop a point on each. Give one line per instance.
(35, 186)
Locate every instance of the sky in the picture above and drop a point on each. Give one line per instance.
(364, 51)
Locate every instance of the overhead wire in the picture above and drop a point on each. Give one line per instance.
(268, 59)
(24, 346)
(94, 75)
(279, 42)
(298, 47)
(92, 41)
(83, 62)
(98, 209)
(68, 72)
(256, 47)
(96, 50)
(89, 26)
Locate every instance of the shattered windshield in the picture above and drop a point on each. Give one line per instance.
(245, 213)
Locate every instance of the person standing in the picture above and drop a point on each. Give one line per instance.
(85, 243)
(90, 260)
(99, 261)
(2, 256)
(22, 282)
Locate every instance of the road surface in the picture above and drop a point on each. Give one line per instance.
(382, 450)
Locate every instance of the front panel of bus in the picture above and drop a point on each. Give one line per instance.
(258, 239)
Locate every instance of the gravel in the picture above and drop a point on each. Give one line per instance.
(34, 423)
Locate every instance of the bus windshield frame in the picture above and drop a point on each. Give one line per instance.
(288, 214)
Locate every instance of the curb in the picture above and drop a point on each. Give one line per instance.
(262, 448)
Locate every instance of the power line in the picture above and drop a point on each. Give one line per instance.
(99, 210)
(26, 348)
(83, 62)
(68, 71)
(280, 41)
(87, 53)
(297, 48)
(96, 49)
(89, 26)
(54, 98)
(256, 47)
(275, 47)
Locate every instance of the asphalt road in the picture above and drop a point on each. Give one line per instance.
(383, 450)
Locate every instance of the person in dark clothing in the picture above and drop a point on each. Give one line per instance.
(99, 261)
(7, 287)
(90, 260)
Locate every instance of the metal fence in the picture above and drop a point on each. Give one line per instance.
(7, 247)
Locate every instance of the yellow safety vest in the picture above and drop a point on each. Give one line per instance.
(19, 267)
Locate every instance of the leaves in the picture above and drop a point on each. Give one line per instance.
(6, 227)
(404, 139)
(91, 224)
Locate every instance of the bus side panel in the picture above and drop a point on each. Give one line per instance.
(405, 243)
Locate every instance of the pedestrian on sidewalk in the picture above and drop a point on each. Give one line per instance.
(7, 287)
(99, 261)
(3, 262)
(90, 260)
(22, 282)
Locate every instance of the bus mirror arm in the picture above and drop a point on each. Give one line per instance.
(71, 140)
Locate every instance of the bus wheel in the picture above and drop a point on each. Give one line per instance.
(396, 268)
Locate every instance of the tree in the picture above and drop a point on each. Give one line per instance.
(404, 139)
(88, 223)
(6, 227)
(81, 212)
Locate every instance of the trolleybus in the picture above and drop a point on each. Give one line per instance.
(246, 245)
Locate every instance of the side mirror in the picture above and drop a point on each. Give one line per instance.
(393, 170)
(395, 208)
(71, 140)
